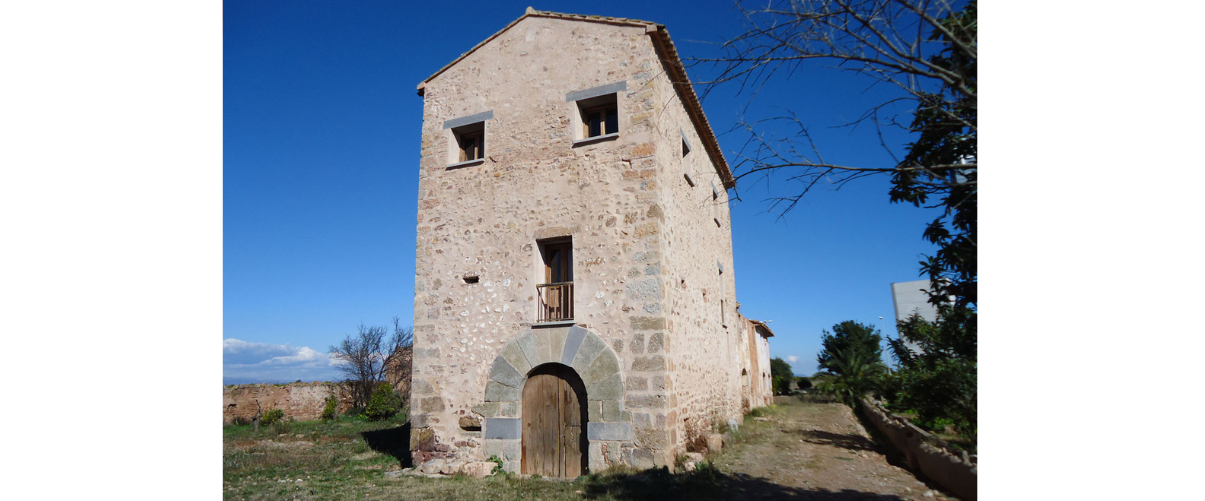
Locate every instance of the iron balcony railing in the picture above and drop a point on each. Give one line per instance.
(556, 301)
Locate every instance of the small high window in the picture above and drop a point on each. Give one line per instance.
(599, 116)
(466, 140)
(470, 142)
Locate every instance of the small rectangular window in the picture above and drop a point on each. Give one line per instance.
(466, 139)
(600, 120)
(470, 142)
(599, 116)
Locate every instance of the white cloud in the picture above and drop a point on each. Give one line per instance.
(792, 359)
(245, 362)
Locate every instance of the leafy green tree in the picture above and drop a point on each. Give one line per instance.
(863, 340)
(780, 371)
(945, 121)
(939, 377)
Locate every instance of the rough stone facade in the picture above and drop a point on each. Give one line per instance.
(656, 336)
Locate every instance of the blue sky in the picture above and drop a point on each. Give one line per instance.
(321, 133)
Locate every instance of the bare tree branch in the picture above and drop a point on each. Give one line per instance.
(368, 357)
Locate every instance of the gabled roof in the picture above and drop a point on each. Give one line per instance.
(669, 56)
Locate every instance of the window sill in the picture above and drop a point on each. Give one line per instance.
(466, 164)
(595, 139)
(558, 323)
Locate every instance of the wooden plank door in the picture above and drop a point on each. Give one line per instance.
(553, 442)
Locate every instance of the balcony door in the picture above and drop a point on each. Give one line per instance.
(556, 293)
(558, 262)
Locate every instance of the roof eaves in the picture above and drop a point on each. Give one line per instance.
(763, 325)
(694, 108)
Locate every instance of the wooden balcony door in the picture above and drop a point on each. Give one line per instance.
(554, 444)
(557, 290)
(558, 262)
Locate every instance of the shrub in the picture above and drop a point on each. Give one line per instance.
(782, 385)
(331, 410)
(272, 416)
(281, 426)
(804, 383)
(384, 403)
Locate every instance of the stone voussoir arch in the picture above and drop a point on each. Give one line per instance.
(573, 346)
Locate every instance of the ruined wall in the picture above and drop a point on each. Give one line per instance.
(303, 401)
(300, 401)
(485, 219)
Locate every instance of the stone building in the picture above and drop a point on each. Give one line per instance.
(574, 293)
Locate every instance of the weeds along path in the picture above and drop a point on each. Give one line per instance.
(821, 449)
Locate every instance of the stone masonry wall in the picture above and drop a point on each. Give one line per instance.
(485, 220)
(701, 296)
(763, 361)
(300, 401)
(647, 252)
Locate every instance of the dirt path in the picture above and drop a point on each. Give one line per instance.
(817, 451)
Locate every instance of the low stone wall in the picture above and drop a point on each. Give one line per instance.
(954, 473)
(300, 401)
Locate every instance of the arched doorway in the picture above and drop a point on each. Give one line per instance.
(554, 411)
